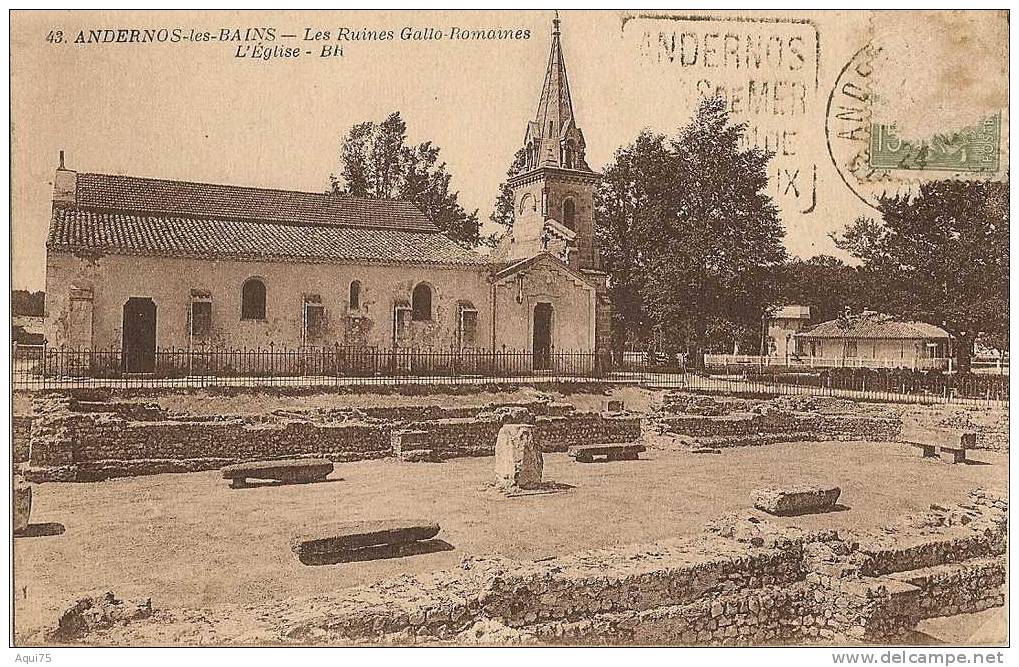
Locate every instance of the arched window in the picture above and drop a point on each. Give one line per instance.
(253, 299)
(421, 303)
(570, 214)
(528, 203)
(570, 154)
(355, 295)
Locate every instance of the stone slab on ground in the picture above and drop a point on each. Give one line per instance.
(350, 536)
(795, 500)
(288, 471)
(611, 452)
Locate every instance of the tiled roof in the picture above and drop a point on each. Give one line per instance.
(76, 229)
(209, 200)
(874, 325)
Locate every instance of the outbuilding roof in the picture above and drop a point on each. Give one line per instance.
(145, 216)
(870, 325)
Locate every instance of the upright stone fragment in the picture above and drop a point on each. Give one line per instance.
(22, 504)
(518, 461)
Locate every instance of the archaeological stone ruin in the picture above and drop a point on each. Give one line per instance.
(743, 581)
(756, 576)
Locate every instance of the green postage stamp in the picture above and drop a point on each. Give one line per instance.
(972, 149)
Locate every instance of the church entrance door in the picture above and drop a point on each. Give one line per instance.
(541, 342)
(139, 348)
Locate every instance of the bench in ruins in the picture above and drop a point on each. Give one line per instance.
(608, 452)
(287, 471)
(946, 443)
(364, 540)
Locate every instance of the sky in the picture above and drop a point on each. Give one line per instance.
(194, 111)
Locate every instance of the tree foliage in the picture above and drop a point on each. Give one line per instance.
(690, 235)
(825, 283)
(24, 302)
(377, 162)
(941, 256)
(502, 214)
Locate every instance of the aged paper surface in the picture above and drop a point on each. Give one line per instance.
(226, 290)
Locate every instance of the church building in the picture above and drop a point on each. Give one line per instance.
(141, 264)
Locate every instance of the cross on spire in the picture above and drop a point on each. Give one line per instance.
(555, 23)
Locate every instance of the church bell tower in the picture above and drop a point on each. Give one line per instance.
(554, 195)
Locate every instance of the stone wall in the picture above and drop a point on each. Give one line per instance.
(744, 582)
(82, 440)
(22, 437)
(752, 428)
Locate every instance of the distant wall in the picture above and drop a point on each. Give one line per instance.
(81, 440)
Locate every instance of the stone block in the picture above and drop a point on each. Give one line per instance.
(97, 612)
(795, 500)
(610, 452)
(350, 536)
(514, 415)
(287, 471)
(408, 440)
(518, 462)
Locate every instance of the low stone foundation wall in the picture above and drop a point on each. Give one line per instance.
(748, 429)
(22, 437)
(744, 582)
(87, 440)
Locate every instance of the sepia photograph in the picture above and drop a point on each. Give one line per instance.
(516, 328)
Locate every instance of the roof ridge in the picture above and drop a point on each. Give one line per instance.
(163, 213)
(154, 179)
(195, 199)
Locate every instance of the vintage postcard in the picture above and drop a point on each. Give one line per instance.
(510, 328)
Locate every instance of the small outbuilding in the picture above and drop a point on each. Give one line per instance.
(873, 340)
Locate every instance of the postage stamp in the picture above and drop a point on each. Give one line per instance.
(972, 149)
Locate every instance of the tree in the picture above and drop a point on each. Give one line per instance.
(941, 256)
(376, 162)
(28, 303)
(690, 236)
(502, 214)
(825, 283)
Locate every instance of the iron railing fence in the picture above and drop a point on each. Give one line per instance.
(792, 361)
(41, 367)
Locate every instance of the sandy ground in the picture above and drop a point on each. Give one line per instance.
(187, 540)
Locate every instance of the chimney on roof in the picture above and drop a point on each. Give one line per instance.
(65, 185)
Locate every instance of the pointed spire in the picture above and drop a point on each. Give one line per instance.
(555, 108)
